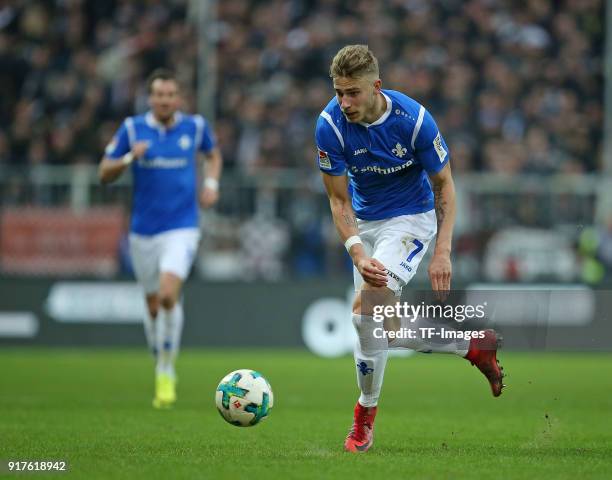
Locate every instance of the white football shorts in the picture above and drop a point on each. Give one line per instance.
(399, 243)
(172, 251)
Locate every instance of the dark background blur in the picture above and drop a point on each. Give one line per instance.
(517, 89)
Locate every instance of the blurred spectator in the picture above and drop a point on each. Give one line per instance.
(490, 70)
(515, 87)
(71, 69)
(496, 74)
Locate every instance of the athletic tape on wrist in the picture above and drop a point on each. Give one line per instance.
(127, 158)
(354, 240)
(211, 183)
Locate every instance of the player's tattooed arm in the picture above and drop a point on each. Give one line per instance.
(349, 219)
(444, 204)
(440, 205)
(440, 268)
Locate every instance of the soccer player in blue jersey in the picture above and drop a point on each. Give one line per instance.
(386, 170)
(161, 149)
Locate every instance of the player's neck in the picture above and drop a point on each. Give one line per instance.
(167, 122)
(380, 107)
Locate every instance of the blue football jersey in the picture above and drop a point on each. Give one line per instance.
(165, 178)
(387, 161)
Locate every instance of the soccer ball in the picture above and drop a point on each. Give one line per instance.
(244, 398)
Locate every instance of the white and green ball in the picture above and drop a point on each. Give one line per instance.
(244, 398)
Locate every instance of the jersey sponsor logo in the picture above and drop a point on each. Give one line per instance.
(360, 151)
(184, 142)
(379, 170)
(324, 161)
(437, 143)
(163, 162)
(399, 151)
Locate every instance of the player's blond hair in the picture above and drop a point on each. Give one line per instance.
(354, 61)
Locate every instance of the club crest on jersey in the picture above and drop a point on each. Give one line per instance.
(399, 151)
(324, 161)
(184, 142)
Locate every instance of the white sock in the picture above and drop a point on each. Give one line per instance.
(162, 353)
(171, 330)
(150, 329)
(426, 344)
(370, 359)
(177, 330)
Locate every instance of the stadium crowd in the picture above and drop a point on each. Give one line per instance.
(515, 87)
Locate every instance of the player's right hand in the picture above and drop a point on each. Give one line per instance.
(139, 149)
(372, 271)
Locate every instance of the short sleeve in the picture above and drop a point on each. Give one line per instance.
(430, 147)
(205, 136)
(330, 156)
(120, 144)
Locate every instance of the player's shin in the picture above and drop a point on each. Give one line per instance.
(150, 328)
(173, 325)
(161, 335)
(177, 330)
(370, 359)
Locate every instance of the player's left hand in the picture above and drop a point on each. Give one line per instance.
(440, 271)
(208, 197)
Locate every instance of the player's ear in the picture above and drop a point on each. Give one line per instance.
(377, 85)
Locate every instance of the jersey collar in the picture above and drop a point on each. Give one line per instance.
(383, 117)
(153, 123)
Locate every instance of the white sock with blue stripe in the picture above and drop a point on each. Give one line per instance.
(370, 359)
(169, 330)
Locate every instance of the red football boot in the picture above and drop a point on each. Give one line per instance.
(482, 353)
(361, 436)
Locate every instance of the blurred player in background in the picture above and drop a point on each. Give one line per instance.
(161, 149)
(384, 150)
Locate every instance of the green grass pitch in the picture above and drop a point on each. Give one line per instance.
(437, 418)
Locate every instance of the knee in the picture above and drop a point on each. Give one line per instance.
(370, 297)
(153, 306)
(167, 300)
(169, 290)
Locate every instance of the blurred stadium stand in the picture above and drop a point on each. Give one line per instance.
(517, 90)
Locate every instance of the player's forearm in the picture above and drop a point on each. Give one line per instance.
(110, 170)
(445, 207)
(213, 165)
(346, 224)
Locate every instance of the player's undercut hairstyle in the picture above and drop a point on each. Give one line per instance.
(160, 74)
(354, 61)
